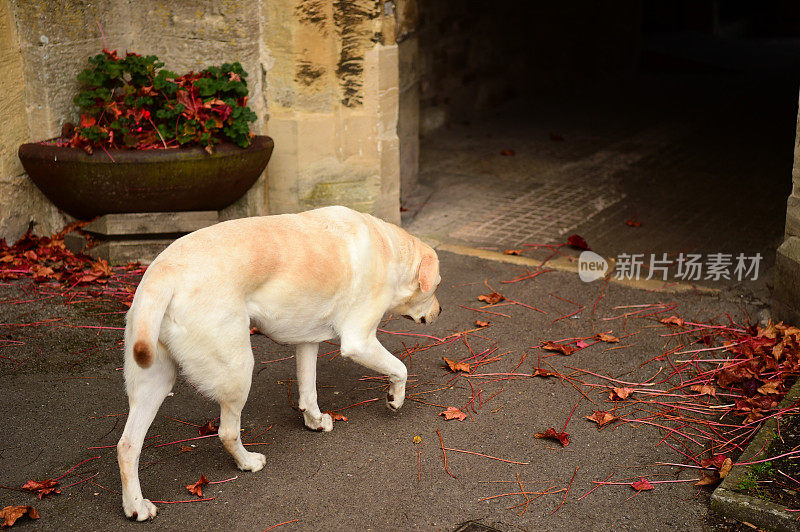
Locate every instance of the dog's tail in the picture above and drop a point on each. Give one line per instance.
(144, 319)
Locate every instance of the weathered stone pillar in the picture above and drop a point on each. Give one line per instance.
(408, 119)
(786, 295)
(332, 96)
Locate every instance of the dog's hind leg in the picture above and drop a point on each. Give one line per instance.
(232, 398)
(147, 388)
(306, 358)
(369, 352)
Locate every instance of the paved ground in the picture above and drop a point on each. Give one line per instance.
(700, 159)
(61, 381)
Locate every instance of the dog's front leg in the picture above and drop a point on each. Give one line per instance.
(370, 353)
(306, 356)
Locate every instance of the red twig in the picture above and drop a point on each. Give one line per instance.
(444, 454)
(566, 492)
(279, 524)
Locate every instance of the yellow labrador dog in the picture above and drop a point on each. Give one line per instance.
(301, 279)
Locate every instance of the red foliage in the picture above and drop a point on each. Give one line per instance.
(10, 514)
(197, 487)
(551, 434)
(578, 242)
(42, 488)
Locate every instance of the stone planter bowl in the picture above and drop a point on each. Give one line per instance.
(124, 181)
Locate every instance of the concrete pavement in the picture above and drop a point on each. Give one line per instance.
(365, 475)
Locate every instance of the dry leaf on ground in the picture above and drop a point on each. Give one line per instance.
(492, 299)
(606, 338)
(10, 514)
(601, 417)
(197, 487)
(456, 366)
(620, 394)
(453, 413)
(564, 349)
(551, 434)
(41, 488)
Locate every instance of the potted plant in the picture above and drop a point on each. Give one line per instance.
(149, 140)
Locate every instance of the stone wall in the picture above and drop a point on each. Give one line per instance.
(332, 98)
(408, 119)
(323, 82)
(786, 293)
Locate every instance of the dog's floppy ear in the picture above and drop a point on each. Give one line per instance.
(428, 272)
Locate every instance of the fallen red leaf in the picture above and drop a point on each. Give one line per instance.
(578, 242)
(512, 252)
(453, 413)
(480, 323)
(641, 485)
(715, 461)
(560, 348)
(601, 417)
(725, 468)
(41, 488)
(633, 223)
(336, 416)
(606, 338)
(704, 389)
(508, 153)
(10, 514)
(457, 366)
(492, 299)
(539, 372)
(197, 487)
(620, 394)
(770, 387)
(673, 320)
(551, 434)
(207, 429)
(709, 478)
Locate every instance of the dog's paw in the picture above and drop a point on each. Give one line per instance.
(395, 397)
(252, 462)
(322, 424)
(139, 509)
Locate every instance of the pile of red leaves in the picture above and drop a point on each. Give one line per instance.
(45, 259)
(764, 359)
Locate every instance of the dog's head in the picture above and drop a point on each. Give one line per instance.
(418, 300)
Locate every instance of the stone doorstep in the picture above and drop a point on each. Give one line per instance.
(763, 514)
(151, 223)
(137, 237)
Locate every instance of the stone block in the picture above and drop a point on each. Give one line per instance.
(786, 300)
(121, 252)
(793, 216)
(201, 21)
(22, 204)
(408, 133)
(68, 22)
(318, 131)
(151, 223)
(12, 107)
(8, 31)
(50, 74)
